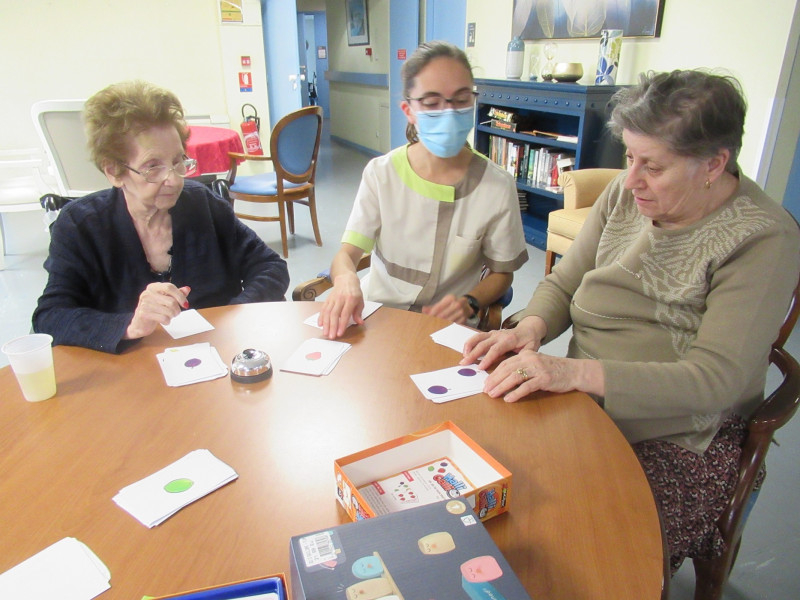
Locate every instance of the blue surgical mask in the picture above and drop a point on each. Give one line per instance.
(443, 132)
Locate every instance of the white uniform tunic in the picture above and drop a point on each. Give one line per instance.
(429, 240)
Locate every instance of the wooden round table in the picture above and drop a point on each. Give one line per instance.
(582, 522)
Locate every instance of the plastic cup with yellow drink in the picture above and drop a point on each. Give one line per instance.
(31, 358)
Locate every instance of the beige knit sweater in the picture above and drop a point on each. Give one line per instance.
(681, 320)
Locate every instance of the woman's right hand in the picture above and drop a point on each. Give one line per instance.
(158, 304)
(344, 302)
(494, 345)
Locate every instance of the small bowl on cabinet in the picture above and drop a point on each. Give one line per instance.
(567, 72)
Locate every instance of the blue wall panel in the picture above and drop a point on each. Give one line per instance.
(446, 20)
(404, 36)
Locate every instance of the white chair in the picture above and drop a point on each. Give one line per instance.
(59, 125)
(22, 182)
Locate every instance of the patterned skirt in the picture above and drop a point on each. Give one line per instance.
(692, 489)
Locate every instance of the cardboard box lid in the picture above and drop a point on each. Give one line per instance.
(438, 550)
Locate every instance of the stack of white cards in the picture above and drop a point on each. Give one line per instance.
(369, 308)
(156, 498)
(67, 570)
(315, 357)
(450, 383)
(191, 364)
(453, 336)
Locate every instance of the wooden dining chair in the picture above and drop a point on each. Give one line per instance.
(489, 317)
(293, 151)
(773, 413)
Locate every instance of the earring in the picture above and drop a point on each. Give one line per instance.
(708, 184)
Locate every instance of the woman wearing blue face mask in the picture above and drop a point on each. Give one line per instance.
(433, 213)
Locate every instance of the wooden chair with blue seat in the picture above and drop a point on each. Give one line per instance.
(293, 151)
(490, 317)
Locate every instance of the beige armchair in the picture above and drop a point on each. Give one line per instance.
(581, 189)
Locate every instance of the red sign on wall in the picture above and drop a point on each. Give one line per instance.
(245, 81)
(245, 61)
(401, 54)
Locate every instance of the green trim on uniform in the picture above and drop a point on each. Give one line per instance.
(434, 191)
(358, 240)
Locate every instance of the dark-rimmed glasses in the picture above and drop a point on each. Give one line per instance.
(434, 101)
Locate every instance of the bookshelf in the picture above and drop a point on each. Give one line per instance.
(555, 120)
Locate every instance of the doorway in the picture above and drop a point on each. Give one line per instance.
(313, 46)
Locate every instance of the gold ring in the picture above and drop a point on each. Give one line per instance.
(522, 373)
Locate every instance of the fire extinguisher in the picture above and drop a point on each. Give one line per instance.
(251, 126)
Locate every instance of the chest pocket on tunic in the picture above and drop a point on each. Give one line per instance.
(461, 254)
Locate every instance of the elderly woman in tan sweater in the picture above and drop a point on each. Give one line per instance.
(675, 289)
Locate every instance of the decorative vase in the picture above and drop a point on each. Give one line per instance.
(608, 61)
(514, 58)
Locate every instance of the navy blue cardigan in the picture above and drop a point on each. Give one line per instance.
(97, 267)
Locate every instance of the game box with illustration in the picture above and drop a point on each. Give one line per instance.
(438, 551)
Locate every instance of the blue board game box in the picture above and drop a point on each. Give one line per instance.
(438, 551)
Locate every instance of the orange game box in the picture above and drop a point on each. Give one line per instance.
(421, 468)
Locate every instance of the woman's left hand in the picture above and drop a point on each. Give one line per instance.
(451, 308)
(530, 371)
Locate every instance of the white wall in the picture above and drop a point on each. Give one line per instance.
(786, 129)
(55, 49)
(744, 37)
(244, 39)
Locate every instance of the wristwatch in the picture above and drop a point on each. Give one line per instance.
(473, 304)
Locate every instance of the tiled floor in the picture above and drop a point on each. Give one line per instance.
(767, 567)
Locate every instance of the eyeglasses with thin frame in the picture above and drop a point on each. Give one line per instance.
(160, 173)
(434, 101)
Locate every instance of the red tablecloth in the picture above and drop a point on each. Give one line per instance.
(210, 147)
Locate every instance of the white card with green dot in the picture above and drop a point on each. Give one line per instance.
(157, 497)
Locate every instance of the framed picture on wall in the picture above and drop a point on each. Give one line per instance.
(550, 19)
(357, 23)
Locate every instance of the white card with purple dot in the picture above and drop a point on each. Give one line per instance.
(191, 364)
(450, 383)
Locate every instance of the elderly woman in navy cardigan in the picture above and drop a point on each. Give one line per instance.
(127, 259)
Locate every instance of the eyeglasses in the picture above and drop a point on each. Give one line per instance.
(161, 173)
(434, 101)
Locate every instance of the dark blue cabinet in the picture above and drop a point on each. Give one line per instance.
(577, 114)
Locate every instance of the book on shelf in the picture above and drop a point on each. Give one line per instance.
(566, 163)
(522, 197)
(545, 165)
(522, 171)
(536, 166)
(504, 125)
(502, 115)
(556, 136)
(511, 163)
